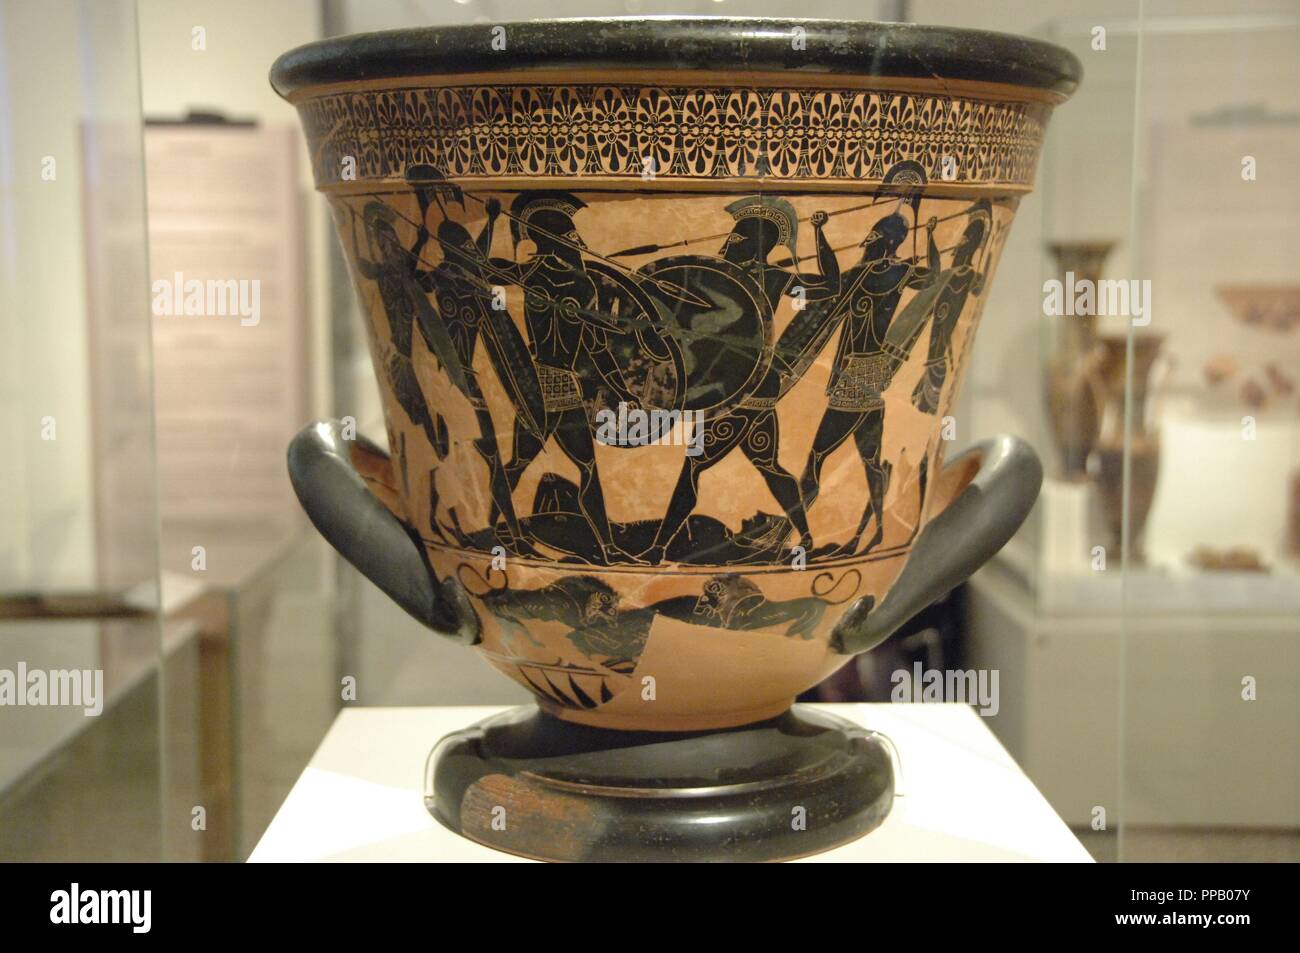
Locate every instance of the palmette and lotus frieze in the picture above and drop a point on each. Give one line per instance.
(675, 133)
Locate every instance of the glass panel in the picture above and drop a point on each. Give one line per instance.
(81, 761)
(1144, 625)
(238, 370)
(1211, 711)
(1153, 596)
(1045, 614)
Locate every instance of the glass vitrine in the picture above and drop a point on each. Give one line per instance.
(1143, 333)
(1154, 594)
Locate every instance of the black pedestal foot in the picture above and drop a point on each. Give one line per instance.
(529, 784)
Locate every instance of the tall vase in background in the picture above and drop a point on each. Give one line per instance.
(1144, 438)
(1293, 515)
(1073, 392)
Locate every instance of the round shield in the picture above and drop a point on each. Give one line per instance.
(649, 363)
(721, 322)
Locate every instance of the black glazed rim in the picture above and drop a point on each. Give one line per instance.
(892, 50)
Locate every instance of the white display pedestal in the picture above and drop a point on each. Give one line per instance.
(960, 798)
(1067, 540)
(1197, 753)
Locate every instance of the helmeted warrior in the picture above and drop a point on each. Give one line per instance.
(463, 296)
(865, 364)
(403, 286)
(762, 224)
(964, 280)
(564, 330)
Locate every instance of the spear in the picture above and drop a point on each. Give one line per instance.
(889, 191)
(668, 287)
(652, 249)
(787, 261)
(619, 321)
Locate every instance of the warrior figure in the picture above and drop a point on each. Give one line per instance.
(564, 331)
(762, 223)
(464, 300)
(404, 287)
(865, 365)
(963, 280)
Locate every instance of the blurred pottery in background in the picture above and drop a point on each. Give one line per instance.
(1234, 559)
(1293, 515)
(665, 350)
(1266, 307)
(1219, 368)
(1074, 392)
(1263, 383)
(1142, 412)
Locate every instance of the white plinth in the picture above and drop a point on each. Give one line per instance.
(1067, 539)
(961, 796)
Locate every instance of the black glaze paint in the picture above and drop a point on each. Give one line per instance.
(371, 538)
(704, 43)
(609, 634)
(597, 331)
(645, 796)
(591, 794)
(974, 526)
(612, 636)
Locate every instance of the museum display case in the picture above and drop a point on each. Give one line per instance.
(1155, 591)
(82, 643)
(1126, 667)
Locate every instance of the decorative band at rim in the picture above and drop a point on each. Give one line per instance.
(636, 132)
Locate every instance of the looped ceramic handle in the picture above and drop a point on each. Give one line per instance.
(330, 476)
(992, 486)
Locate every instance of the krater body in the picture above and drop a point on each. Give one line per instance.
(667, 323)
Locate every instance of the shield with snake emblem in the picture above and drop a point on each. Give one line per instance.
(720, 323)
